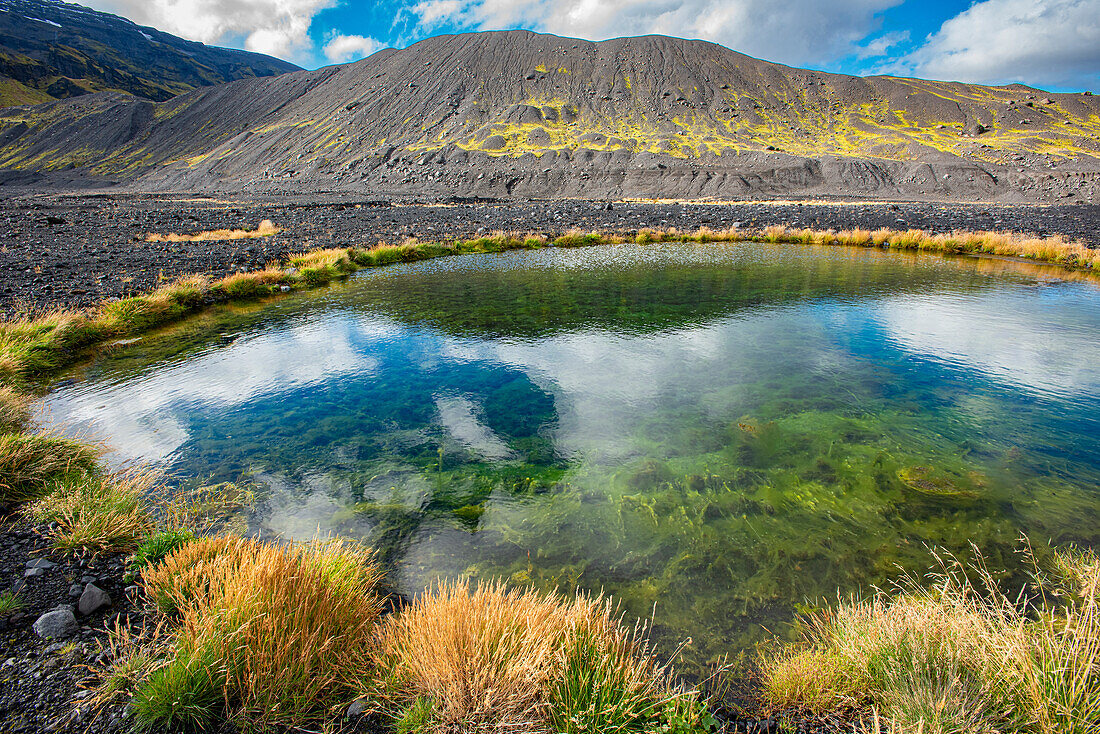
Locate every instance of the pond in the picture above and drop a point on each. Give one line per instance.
(717, 435)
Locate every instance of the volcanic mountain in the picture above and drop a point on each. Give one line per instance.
(515, 113)
(55, 50)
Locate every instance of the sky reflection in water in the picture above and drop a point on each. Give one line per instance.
(723, 431)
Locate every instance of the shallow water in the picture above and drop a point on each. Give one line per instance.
(717, 435)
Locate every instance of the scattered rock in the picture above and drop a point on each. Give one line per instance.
(358, 707)
(61, 622)
(93, 599)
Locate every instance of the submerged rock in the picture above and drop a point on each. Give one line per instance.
(926, 481)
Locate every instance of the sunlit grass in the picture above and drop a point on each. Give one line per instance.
(493, 659)
(270, 633)
(954, 655)
(265, 229)
(32, 465)
(108, 512)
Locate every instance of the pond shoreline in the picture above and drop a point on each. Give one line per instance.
(41, 346)
(76, 251)
(46, 682)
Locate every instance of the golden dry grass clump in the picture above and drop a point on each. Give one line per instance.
(102, 512)
(34, 464)
(492, 659)
(15, 411)
(266, 228)
(266, 634)
(955, 657)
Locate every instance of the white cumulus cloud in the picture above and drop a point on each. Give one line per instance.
(1041, 42)
(276, 27)
(340, 48)
(792, 32)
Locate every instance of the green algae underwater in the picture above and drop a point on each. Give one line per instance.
(716, 435)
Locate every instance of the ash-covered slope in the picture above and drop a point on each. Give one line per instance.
(523, 114)
(52, 49)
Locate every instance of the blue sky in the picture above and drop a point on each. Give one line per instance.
(1054, 44)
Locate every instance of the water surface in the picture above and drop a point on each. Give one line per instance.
(714, 434)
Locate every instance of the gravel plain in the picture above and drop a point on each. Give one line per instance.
(74, 251)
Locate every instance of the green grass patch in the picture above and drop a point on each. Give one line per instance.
(156, 548)
(106, 512)
(10, 602)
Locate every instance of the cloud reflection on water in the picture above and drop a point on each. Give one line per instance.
(145, 417)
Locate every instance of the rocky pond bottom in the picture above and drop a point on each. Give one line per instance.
(716, 435)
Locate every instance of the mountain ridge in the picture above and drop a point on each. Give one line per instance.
(56, 50)
(516, 113)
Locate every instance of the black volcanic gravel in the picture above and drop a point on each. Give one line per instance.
(41, 680)
(76, 251)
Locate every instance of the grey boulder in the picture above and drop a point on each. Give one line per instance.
(61, 622)
(357, 708)
(41, 563)
(93, 599)
(38, 567)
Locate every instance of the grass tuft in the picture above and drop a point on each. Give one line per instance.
(244, 286)
(265, 229)
(15, 411)
(956, 656)
(580, 238)
(269, 634)
(100, 513)
(132, 655)
(32, 465)
(155, 548)
(494, 659)
(37, 344)
(10, 602)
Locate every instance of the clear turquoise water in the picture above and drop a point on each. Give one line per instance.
(714, 434)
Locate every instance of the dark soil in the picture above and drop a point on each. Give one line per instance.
(77, 251)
